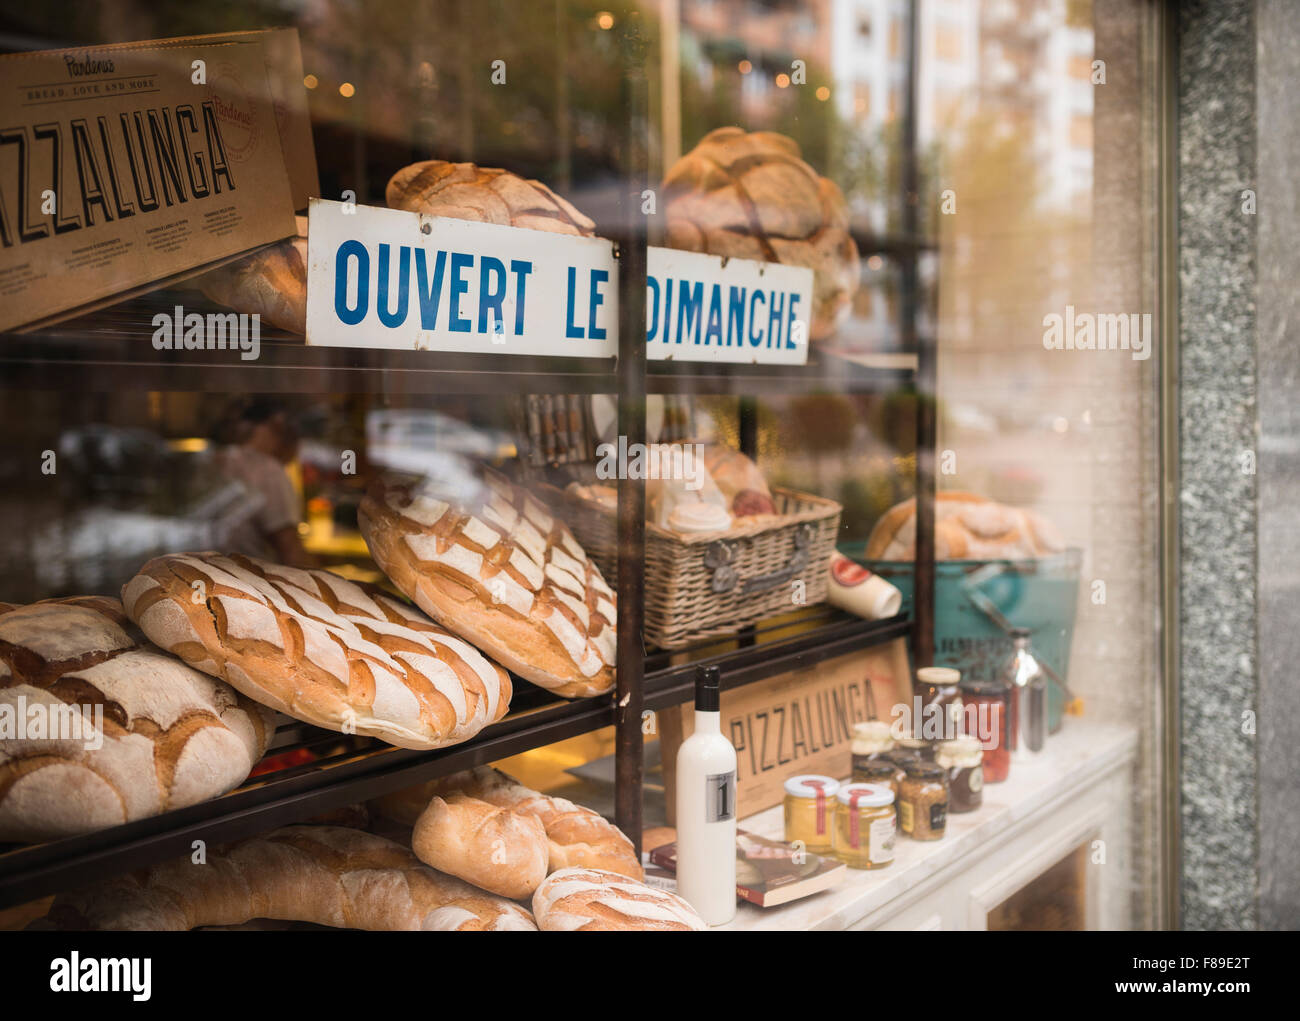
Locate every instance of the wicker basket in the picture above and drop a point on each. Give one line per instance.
(712, 584)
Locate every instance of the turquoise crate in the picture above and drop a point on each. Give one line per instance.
(1040, 594)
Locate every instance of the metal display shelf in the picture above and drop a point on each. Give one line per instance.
(365, 768)
(113, 350)
(825, 372)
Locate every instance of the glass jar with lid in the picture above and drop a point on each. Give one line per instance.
(872, 740)
(865, 827)
(880, 771)
(912, 749)
(963, 758)
(809, 811)
(986, 712)
(923, 810)
(938, 686)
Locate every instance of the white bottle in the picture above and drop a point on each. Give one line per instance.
(706, 809)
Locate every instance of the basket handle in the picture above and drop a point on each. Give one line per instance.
(720, 556)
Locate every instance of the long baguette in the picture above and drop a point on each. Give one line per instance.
(327, 875)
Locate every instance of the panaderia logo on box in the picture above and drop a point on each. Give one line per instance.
(75, 974)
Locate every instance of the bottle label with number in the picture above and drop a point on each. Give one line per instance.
(719, 796)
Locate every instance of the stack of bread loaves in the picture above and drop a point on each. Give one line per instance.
(751, 196)
(580, 870)
(273, 280)
(966, 527)
(98, 727)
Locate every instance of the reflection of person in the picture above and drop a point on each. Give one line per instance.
(266, 441)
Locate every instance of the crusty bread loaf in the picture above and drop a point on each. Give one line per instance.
(574, 835)
(271, 282)
(326, 875)
(171, 736)
(497, 568)
(319, 648)
(501, 851)
(592, 900)
(464, 191)
(967, 527)
(751, 196)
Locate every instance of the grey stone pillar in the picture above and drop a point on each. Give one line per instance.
(1239, 463)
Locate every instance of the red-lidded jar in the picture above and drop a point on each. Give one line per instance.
(810, 811)
(986, 715)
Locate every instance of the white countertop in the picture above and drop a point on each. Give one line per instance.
(1082, 751)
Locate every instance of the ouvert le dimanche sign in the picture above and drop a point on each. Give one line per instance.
(387, 278)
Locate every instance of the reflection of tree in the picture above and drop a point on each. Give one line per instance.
(1006, 257)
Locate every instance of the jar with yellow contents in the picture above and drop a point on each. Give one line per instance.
(809, 811)
(865, 829)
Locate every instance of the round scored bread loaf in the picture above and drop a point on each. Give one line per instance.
(966, 527)
(326, 875)
(460, 808)
(750, 195)
(497, 568)
(271, 281)
(465, 191)
(319, 648)
(593, 900)
(103, 728)
(498, 850)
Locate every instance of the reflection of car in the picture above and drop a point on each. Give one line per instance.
(95, 549)
(432, 444)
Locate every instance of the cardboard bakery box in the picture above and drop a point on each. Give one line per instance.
(130, 166)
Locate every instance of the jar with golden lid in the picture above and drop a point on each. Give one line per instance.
(865, 827)
(923, 810)
(963, 758)
(809, 811)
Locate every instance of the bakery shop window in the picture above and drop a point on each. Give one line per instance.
(423, 537)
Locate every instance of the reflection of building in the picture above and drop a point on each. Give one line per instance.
(760, 39)
(1018, 60)
(1035, 76)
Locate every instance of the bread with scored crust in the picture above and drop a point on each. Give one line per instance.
(465, 191)
(496, 849)
(326, 875)
(750, 195)
(318, 647)
(474, 800)
(593, 900)
(967, 527)
(171, 736)
(496, 567)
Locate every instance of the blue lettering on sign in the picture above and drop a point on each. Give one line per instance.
(429, 294)
(789, 332)
(690, 309)
(713, 334)
(571, 329)
(736, 318)
(755, 339)
(351, 250)
(393, 319)
(775, 309)
(520, 268)
(489, 297)
(652, 304)
(460, 261)
(598, 276)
